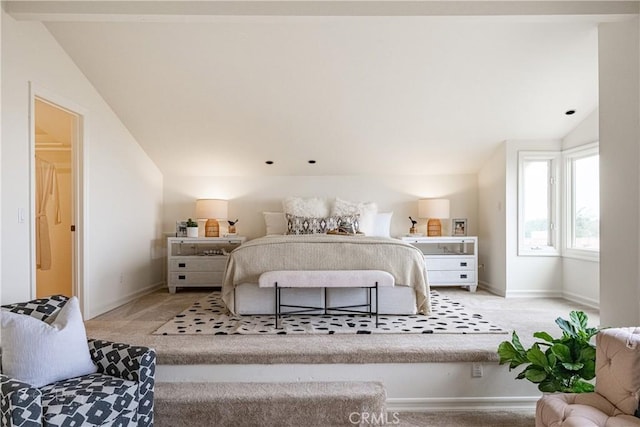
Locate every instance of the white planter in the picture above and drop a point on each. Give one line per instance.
(192, 231)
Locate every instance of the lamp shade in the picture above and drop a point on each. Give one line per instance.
(433, 208)
(211, 208)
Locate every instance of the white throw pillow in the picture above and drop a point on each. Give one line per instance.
(38, 353)
(382, 224)
(366, 211)
(313, 207)
(276, 223)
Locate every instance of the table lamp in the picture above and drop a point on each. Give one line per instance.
(211, 210)
(434, 210)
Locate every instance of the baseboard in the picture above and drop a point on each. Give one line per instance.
(461, 403)
(489, 288)
(589, 302)
(533, 294)
(103, 308)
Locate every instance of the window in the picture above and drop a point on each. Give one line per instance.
(582, 186)
(537, 207)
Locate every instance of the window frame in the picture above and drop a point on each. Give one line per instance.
(554, 159)
(568, 157)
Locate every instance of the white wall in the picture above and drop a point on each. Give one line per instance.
(123, 188)
(619, 58)
(250, 196)
(581, 278)
(526, 275)
(492, 223)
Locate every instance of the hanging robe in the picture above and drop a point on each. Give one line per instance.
(46, 188)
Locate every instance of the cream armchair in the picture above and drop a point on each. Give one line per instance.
(615, 400)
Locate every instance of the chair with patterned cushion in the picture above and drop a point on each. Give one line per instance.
(615, 400)
(120, 393)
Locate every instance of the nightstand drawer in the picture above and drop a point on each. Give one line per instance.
(438, 277)
(196, 278)
(198, 263)
(450, 263)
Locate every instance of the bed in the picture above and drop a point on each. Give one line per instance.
(242, 295)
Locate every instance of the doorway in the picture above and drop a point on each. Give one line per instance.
(56, 138)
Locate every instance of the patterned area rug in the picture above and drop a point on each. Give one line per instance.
(207, 317)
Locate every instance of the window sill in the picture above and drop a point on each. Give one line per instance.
(591, 256)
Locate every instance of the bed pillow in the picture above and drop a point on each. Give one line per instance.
(276, 223)
(366, 212)
(38, 353)
(298, 225)
(313, 207)
(382, 224)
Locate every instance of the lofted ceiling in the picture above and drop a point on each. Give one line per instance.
(360, 95)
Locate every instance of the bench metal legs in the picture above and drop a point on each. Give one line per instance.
(346, 309)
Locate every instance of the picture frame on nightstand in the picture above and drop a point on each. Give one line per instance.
(181, 228)
(459, 227)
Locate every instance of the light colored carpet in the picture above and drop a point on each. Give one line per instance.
(136, 321)
(321, 404)
(208, 316)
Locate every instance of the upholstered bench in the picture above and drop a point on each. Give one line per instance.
(371, 280)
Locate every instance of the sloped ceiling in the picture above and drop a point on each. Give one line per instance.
(358, 94)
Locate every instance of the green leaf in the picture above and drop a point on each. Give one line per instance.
(549, 386)
(562, 352)
(535, 375)
(566, 327)
(587, 353)
(521, 375)
(516, 342)
(543, 336)
(507, 353)
(589, 370)
(579, 319)
(581, 386)
(573, 366)
(537, 357)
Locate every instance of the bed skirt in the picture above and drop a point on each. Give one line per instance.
(251, 299)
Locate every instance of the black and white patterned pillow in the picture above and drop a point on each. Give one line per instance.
(299, 225)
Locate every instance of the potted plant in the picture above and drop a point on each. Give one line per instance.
(192, 228)
(565, 364)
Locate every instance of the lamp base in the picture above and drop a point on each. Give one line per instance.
(212, 228)
(434, 227)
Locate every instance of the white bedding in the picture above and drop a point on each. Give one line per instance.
(326, 252)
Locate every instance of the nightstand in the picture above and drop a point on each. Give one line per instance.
(199, 261)
(449, 260)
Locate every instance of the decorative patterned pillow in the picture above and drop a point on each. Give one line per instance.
(365, 210)
(310, 225)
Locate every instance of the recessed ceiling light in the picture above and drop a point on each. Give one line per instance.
(312, 162)
(570, 112)
(269, 162)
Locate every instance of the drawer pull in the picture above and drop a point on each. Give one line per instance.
(463, 264)
(463, 276)
(182, 277)
(182, 265)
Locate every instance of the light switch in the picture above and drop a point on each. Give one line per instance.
(20, 215)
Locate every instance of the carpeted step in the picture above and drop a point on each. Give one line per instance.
(267, 404)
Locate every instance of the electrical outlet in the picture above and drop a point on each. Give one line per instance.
(121, 278)
(476, 370)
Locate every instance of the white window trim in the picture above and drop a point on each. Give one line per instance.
(567, 158)
(554, 202)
